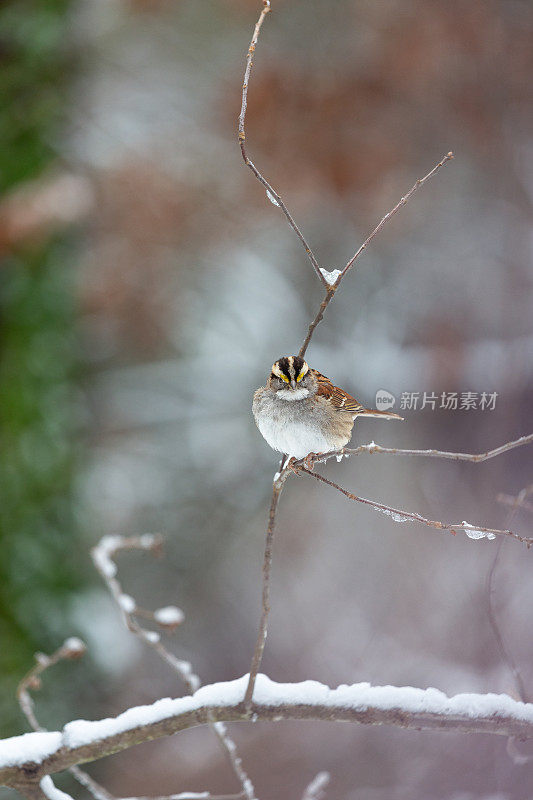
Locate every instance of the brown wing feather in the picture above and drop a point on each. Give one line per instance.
(343, 401)
(337, 396)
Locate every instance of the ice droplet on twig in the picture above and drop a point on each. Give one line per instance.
(272, 198)
(394, 514)
(473, 534)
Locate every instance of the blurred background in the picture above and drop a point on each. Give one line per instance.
(147, 285)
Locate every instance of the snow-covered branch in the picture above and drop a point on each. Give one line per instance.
(28, 758)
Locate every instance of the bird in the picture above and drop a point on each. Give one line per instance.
(301, 413)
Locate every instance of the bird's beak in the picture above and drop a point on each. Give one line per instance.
(293, 384)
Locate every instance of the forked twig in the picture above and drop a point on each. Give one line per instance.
(103, 558)
(324, 277)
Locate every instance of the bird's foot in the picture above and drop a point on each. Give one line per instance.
(309, 460)
(292, 466)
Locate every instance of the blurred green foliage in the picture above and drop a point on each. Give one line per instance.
(34, 63)
(38, 361)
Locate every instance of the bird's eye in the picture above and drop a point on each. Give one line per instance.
(284, 378)
(300, 376)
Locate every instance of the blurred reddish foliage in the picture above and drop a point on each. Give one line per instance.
(142, 215)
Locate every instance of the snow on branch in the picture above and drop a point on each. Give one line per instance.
(32, 756)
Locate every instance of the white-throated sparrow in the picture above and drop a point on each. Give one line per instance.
(300, 411)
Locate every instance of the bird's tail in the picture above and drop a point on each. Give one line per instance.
(372, 412)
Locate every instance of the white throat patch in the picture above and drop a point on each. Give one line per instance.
(292, 394)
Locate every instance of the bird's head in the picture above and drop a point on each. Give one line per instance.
(290, 378)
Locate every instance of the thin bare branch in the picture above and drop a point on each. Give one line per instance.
(235, 761)
(71, 648)
(94, 788)
(103, 555)
(332, 288)
(374, 448)
(398, 515)
(405, 199)
(277, 488)
(271, 192)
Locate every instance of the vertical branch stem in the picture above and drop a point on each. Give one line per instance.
(265, 605)
(323, 305)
